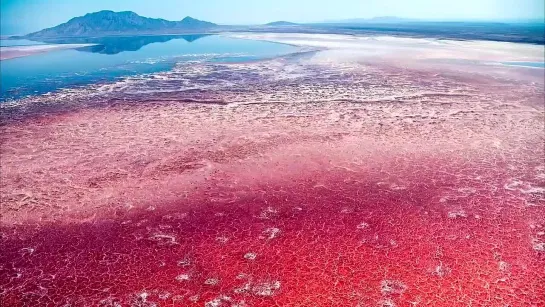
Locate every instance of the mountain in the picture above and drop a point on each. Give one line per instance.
(280, 23)
(115, 23)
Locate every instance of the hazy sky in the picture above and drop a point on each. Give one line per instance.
(23, 16)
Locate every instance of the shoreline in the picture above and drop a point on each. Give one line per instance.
(13, 52)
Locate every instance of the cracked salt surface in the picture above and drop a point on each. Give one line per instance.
(329, 178)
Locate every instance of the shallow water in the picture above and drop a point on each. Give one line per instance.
(117, 57)
(526, 64)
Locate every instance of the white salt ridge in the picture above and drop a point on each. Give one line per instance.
(211, 281)
(456, 214)
(250, 256)
(183, 277)
(270, 233)
(538, 245)
(388, 287)
(363, 225)
(11, 52)
(266, 288)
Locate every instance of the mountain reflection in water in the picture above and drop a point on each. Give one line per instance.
(118, 44)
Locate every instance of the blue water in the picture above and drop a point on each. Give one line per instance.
(526, 64)
(117, 57)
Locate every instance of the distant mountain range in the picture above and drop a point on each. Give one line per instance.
(281, 23)
(90, 27)
(381, 19)
(116, 23)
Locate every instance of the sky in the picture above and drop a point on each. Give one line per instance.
(24, 16)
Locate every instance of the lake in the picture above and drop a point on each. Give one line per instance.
(114, 58)
(526, 64)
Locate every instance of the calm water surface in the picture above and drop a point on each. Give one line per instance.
(113, 58)
(526, 64)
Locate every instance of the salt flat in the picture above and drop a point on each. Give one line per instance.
(372, 171)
